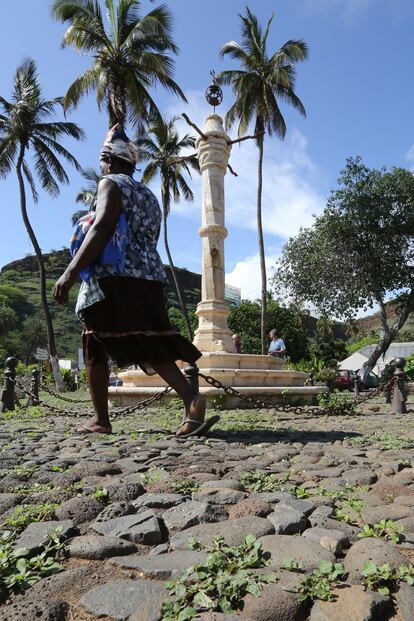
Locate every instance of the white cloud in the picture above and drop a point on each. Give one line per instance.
(246, 275)
(410, 154)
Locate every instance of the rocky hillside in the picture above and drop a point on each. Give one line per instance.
(23, 275)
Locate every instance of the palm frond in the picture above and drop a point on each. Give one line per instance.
(54, 166)
(184, 188)
(46, 179)
(58, 128)
(150, 172)
(86, 31)
(30, 181)
(8, 150)
(83, 85)
(54, 145)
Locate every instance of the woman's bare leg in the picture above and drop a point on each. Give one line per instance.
(98, 378)
(171, 374)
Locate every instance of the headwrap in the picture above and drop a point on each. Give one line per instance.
(119, 145)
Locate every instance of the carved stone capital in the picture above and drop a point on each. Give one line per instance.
(213, 152)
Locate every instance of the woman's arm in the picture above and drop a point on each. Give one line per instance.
(107, 213)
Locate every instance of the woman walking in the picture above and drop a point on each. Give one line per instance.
(121, 298)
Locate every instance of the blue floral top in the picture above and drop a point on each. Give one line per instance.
(143, 217)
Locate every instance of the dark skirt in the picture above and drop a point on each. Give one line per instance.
(131, 326)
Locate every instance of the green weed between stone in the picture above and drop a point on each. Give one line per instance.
(318, 584)
(385, 580)
(185, 487)
(258, 481)
(384, 529)
(20, 570)
(220, 583)
(101, 494)
(26, 514)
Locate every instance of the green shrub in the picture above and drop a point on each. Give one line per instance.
(336, 403)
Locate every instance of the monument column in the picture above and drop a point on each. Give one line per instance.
(213, 333)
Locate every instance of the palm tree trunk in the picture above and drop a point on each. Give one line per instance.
(263, 326)
(181, 301)
(42, 275)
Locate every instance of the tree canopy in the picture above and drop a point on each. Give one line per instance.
(359, 250)
(131, 53)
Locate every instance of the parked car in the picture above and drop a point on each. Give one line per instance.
(344, 380)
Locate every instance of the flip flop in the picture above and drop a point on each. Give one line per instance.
(202, 427)
(84, 430)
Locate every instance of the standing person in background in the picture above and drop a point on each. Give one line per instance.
(121, 299)
(277, 347)
(236, 343)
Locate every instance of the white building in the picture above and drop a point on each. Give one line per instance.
(396, 350)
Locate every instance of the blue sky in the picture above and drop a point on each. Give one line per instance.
(357, 88)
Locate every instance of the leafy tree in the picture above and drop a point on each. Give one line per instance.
(262, 82)
(34, 334)
(177, 320)
(25, 123)
(358, 251)
(8, 319)
(130, 55)
(87, 194)
(161, 148)
(245, 320)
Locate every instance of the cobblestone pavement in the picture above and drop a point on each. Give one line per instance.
(129, 503)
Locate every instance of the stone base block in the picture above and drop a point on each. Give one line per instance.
(129, 395)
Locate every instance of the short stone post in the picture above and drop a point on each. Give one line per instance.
(34, 388)
(399, 393)
(7, 394)
(191, 375)
(357, 386)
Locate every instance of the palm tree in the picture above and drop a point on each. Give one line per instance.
(261, 82)
(87, 194)
(162, 148)
(26, 123)
(129, 56)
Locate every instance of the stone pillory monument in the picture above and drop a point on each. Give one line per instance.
(252, 375)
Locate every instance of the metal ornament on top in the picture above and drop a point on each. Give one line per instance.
(214, 94)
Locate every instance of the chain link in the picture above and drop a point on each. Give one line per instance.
(260, 403)
(51, 392)
(374, 392)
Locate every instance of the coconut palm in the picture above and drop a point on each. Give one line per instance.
(130, 55)
(87, 194)
(26, 122)
(263, 80)
(162, 148)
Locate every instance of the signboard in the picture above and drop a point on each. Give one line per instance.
(81, 364)
(41, 354)
(232, 295)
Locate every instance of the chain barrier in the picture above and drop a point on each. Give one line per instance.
(255, 402)
(51, 392)
(260, 403)
(112, 413)
(374, 392)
